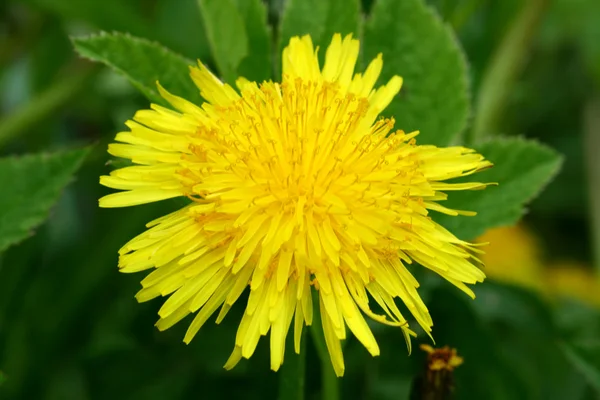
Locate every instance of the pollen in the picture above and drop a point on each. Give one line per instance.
(294, 187)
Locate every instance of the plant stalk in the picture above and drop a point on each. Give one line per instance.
(293, 371)
(503, 69)
(329, 381)
(43, 105)
(592, 144)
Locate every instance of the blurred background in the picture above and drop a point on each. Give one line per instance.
(70, 327)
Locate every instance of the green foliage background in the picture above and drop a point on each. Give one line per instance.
(511, 78)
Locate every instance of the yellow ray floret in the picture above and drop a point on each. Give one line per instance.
(295, 186)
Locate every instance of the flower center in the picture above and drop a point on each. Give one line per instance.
(302, 148)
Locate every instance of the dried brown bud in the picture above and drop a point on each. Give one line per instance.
(438, 379)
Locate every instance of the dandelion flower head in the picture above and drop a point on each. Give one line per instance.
(295, 187)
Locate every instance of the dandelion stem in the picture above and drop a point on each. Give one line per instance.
(329, 382)
(292, 373)
(464, 11)
(592, 144)
(504, 68)
(44, 104)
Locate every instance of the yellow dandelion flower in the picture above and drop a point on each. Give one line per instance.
(574, 280)
(513, 256)
(294, 184)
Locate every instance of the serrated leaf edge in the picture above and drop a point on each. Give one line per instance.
(146, 90)
(44, 156)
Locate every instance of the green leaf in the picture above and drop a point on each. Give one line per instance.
(576, 319)
(521, 168)
(514, 306)
(578, 20)
(585, 357)
(536, 358)
(485, 373)
(419, 47)
(142, 62)
(256, 66)
(320, 19)
(30, 185)
(189, 38)
(226, 33)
